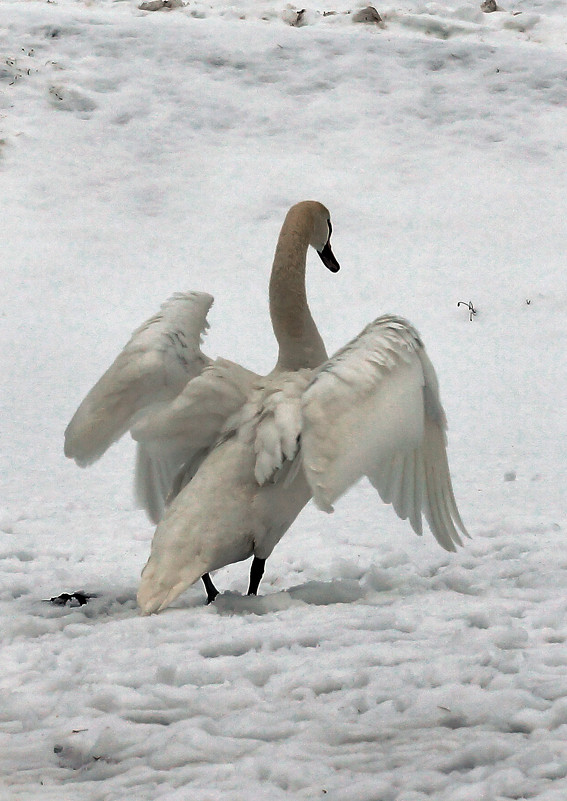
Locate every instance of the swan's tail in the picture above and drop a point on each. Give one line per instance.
(159, 587)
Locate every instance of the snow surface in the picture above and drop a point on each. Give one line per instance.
(143, 153)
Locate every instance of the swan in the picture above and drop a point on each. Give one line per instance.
(227, 459)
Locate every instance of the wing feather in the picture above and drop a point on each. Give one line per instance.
(153, 479)
(271, 422)
(415, 516)
(173, 439)
(373, 409)
(199, 412)
(160, 358)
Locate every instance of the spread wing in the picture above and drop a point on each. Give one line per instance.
(162, 355)
(174, 438)
(374, 410)
(173, 398)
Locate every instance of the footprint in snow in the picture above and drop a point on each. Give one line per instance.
(68, 99)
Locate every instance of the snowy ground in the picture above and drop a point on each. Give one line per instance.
(144, 153)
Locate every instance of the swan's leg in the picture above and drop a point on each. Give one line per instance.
(212, 591)
(256, 573)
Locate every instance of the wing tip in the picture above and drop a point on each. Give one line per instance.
(76, 447)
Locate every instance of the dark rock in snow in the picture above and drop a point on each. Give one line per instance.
(368, 14)
(71, 599)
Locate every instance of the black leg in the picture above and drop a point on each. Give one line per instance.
(256, 573)
(212, 591)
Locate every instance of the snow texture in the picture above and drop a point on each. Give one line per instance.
(148, 152)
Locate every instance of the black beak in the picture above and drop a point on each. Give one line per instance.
(328, 258)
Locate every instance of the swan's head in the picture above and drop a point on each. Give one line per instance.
(321, 236)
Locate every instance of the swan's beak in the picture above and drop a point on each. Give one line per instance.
(328, 258)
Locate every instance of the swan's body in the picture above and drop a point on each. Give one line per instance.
(233, 457)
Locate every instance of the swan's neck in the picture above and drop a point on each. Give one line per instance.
(300, 344)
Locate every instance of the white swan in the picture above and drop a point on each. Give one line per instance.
(233, 457)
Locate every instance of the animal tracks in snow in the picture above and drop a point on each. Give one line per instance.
(71, 99)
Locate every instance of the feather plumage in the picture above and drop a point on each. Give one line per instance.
(374, 410)
(227, 459)
(161, 356)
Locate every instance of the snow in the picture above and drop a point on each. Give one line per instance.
(143, 153)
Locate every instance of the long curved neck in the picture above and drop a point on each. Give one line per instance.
(300, 344)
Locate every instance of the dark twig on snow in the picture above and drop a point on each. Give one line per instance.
(470, 307)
